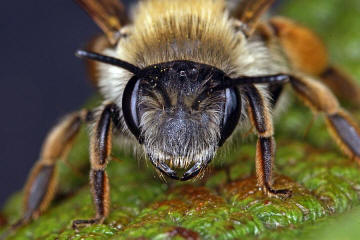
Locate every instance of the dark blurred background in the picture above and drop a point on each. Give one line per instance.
(41, 79)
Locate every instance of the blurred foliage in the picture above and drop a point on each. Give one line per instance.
(337, 23)
(227, 204)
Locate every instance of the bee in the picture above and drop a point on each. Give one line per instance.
(179, 79)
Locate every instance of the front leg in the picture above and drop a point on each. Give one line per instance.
(261, 119)
(100, 150)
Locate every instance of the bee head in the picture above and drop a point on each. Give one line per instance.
(181, 111)
(176, 112)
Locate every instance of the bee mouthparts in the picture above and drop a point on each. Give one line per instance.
(191, 173)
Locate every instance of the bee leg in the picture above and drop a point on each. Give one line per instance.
(342, 84)
(261, 119)
(340, 124)
(40, 187)
(109, 15)
(100, 151)
(249, 13)
(307, 53)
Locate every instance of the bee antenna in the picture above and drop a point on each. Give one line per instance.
(107, 59)
(268, 79)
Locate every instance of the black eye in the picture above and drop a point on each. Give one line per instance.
(129, 106)
(231, 113)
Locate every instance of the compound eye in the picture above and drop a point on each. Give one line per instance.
(231, 114)
(130, 108)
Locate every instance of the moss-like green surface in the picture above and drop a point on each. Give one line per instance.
(227, 204)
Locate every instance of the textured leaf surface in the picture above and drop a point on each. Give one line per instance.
(227, 204)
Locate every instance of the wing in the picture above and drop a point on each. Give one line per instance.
(109, 15)
(249, 13)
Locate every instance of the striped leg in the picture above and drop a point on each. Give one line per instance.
(100, 150)
(340, 124)
(261, 119)
(40, 187)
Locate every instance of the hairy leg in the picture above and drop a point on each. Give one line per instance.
(261, 119)
(340, 124)
(249, 12)
(41, 184)
(109, 15)
(100, 152)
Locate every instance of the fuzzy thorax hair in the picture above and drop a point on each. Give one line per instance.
(169, 30)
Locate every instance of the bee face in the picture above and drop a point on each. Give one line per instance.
(176, 114)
